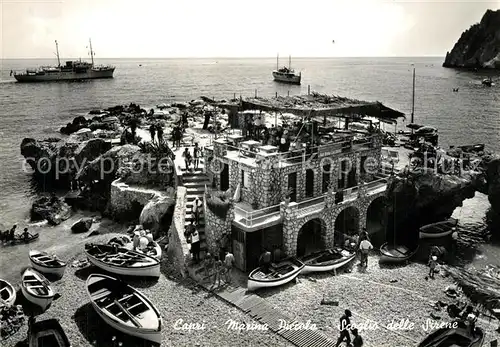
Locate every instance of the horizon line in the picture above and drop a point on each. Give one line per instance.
(242, 57)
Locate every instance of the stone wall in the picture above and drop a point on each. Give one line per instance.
(216, 227)
(178, 248)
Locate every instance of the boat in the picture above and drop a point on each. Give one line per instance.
(18, 239)
(7, 293)
(286, 74)
(123, 262)
(277, 274)
(454, 337)
(153, 250)
(439, 229)
(74, 70)
(124, 308)
(396, 253)
(36, 288)
(487, 82)
(326, 260)
(46, 263)
(48, 333)
(478, 147)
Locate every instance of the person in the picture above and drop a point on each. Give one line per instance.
(209, 263)
(187, 157)
(432, 266)
(152, 131)
(364, 247)
(197, 205)
(195, 245)
(25, 234)
(159, 131)
(265, 260)
(189, 230)
(136, 240)
(357, 340)
(277, 254)
(12, 233)
(196, 155)
(471, 320)
(228, 263)
(345, 326)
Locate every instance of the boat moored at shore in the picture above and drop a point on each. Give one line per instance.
(439, 229)
(327, 260)
(36, 288)
(276, 275)
(46, 263)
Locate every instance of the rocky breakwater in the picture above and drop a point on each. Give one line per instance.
(479, 46)
(419, 198)
(491, 166)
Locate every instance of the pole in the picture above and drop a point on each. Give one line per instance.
(57, 52)
(413, 99)
(215, 123)
(256, 93)
(308, 89)
(91, 52)
(277, 61)
(289, 62)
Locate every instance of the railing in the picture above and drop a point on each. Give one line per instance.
(249, 218)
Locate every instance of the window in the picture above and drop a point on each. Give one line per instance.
(245, 179)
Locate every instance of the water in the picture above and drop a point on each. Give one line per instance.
(39, 110)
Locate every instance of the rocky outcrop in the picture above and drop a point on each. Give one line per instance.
(50, 208)
(479, 46)
(491, 165)
(178, 248)
(82, 226)
(158, 212)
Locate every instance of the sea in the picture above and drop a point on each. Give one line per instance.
(469, 116)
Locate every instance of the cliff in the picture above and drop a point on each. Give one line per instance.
(479, 46)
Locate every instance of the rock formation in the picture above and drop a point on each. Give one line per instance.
(82, 226)
(50, 208)
(157, 214)
(491, 164)
(479, 46)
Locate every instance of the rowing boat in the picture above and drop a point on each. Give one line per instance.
(439, 229)
(326, 260)
(454, 337)
(396, 253)
(124, 308)
(123, 262)
(7, 293)
(275, 275)
(36, 288)
(46, 263)
(48, 332)
(153, 249)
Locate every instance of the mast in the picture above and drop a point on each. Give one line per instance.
(57, 53)
(91, 52)
(277, 61)
(290, 62)
(413, 98)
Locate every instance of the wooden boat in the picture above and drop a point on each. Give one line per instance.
(396, 253)
(458, 337)
(36, 288)
(439, 229)
(7, 293)
(327, 260)
(123, 262)
(48, 333)
(18, 239)
(153, 250)
(124, 308)
(46, 263)
(277, 274)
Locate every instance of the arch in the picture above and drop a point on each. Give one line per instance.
(376, 219)
(346, 224)
(311, 236)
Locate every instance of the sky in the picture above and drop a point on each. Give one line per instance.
(234, 28)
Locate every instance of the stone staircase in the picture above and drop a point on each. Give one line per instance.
(194, 181)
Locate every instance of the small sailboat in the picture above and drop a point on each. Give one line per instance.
(454, 337)
(48, 332)
(46, 263)
(326, 260)
(122, 261)
(36, 288)
(439, 229)
(396, 253)
(7, 293)
(277, 274)
(124, 308)
(286, 74)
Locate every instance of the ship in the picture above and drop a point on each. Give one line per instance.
(75, 70)
(286, 74)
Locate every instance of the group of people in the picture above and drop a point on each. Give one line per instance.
(156, 129)
(360, 244)
(346, 327)
(194, 158)
(10, 235)
(219, 269)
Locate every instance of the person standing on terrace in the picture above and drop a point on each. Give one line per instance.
(187, 158)
(196, 155)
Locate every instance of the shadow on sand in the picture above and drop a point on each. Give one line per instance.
(134, 281)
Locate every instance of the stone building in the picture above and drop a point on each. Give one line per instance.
(304, 199)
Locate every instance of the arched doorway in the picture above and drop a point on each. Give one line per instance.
(311, 237)
(346, 224)
(376, 220)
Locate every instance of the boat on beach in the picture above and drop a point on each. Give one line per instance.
(122, 261)
(18, 239)
(124, 308)
(396, 253)
(48, 332)
(47, 263)
(326, 260)
(439, 229)
(154, 250)
(36, 288)
(454, 337)
(7, 293)
(277, 274)
(286, 74)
